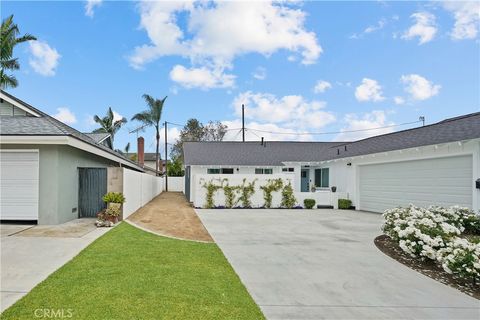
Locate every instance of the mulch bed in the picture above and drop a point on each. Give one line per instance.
(426, 267)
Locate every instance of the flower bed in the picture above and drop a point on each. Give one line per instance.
(446, 237)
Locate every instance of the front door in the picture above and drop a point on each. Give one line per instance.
(92, 185)
(305, 179)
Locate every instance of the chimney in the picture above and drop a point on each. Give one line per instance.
(141, 151)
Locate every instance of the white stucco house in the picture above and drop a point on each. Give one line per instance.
(437, 164)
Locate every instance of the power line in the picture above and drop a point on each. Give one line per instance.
(333, 132)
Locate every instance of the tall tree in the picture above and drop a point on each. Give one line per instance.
(194, 130)
(9, 38)
(108, 124)
(151, 117)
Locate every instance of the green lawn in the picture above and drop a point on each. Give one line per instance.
(132, 274)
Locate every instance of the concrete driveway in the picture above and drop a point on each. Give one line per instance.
(29, 254)
(323, 264)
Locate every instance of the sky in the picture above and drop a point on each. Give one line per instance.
(304, 70)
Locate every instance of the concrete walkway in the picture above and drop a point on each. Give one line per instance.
(29, 255)
(323, 264)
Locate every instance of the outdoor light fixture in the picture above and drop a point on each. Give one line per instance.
(349, 164)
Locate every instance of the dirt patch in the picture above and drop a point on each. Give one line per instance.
(426, 267)
(72, 229)
(170, 214)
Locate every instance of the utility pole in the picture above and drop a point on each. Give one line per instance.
(166, 162)
(422, 118)
(243, 123)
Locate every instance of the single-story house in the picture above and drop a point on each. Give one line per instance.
(437, 164)
(50, 172)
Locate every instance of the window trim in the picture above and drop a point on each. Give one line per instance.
(263, 170)
(320, 185)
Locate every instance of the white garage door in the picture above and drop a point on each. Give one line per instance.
(441, 181)
(18, 185)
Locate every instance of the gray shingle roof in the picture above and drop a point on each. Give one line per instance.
(274, 153)
(46, 125)
(97, 137)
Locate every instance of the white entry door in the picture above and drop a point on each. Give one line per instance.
(440, 181)
(19, 184)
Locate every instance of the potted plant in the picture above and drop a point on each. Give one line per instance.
(112, 213)
(334, 189)
(314, 188)
(114, 199)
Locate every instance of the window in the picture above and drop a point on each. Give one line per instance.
(263, 171)
(288, 169)
(218, 171)
(322, 178)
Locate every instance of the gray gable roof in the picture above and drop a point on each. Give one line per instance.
(275, 153)
(46, 125)
(253, 153)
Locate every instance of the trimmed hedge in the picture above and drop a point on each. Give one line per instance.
(344, 203)
(309, 203)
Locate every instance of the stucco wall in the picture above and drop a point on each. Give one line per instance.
(58, 185)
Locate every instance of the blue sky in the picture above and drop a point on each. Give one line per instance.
(298, 67)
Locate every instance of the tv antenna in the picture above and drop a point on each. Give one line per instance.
(137, 130)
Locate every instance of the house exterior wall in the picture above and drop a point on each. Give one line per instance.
(346, 177)
(58, 179)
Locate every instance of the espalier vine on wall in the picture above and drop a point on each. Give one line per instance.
(273, 185)
(230, 192)
(211, 188)
(246, 191)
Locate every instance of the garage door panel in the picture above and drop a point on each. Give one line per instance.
(19, 185)
(441, 181)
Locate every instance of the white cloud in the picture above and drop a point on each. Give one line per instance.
(369, 90)
(424, 27)
(370, 29)
(90, 6)
(203, 77)
(398, 100)
(287, 133)
(65, 115)
(467, 18)
(370, 120)
(418, 87)
(44, 59)
(292, 111)
(260, 73)
(217, 32)
(117, 116)
(321, 86)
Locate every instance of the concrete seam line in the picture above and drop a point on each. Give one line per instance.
(163, 235)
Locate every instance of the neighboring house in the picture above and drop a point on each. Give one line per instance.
(436, 164)
(149, 161)
(50, 172)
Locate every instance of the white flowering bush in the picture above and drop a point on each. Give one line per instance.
(435, 233)
(460, 257)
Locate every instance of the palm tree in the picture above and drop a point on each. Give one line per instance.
(151, 118)
(9, 39)
(108, 124)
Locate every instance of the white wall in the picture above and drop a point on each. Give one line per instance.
(176, 184)
(138, 189)
(199, 195)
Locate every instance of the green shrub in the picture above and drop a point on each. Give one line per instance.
(114, 197)
(247, 189)
(211, 188)
(288, 198)
(230, 192)
(309, 203)
(344, 203)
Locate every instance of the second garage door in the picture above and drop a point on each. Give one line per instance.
(440, 181)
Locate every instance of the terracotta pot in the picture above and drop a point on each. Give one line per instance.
(111, 218)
